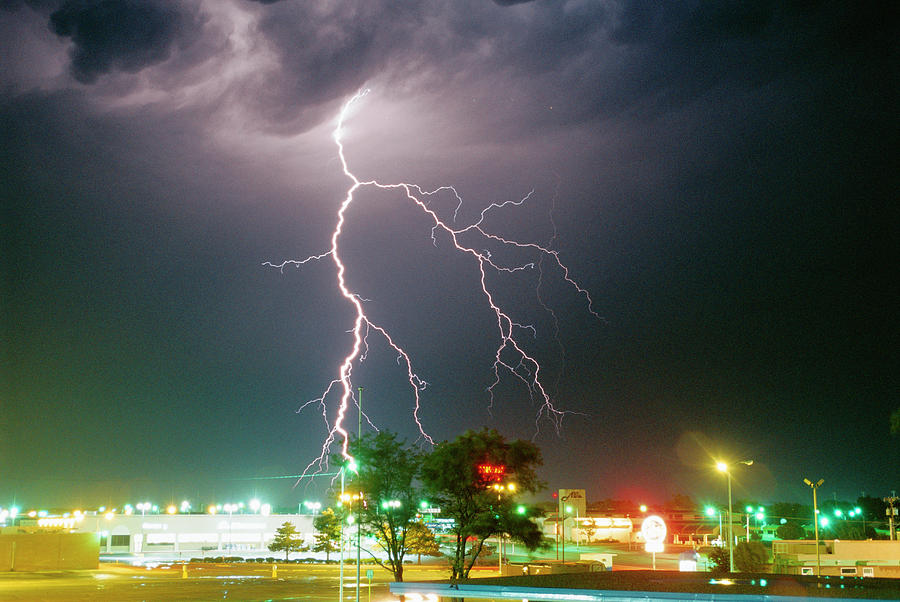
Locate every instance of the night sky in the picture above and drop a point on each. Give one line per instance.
(720, 177)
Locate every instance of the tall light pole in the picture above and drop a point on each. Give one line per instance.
(723, 467)
(815, 486)
(359, 505)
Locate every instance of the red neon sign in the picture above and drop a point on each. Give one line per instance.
(491, 472)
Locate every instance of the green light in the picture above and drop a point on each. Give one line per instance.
(823, 521)
(837, 512)
(710, 511)
(520, 509)
(568, 509)
(760, 516)
(424, 504)
(761, 510)
(749, 509)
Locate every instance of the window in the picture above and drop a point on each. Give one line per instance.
(848, 570)
(806, 570)
(868, 571)
(120, 540)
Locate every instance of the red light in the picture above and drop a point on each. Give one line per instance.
(491, 473)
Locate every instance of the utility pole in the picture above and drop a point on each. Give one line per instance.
(891, 512)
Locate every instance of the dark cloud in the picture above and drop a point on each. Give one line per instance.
(720, 175)
(125, 35)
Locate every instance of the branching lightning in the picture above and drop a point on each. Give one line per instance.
(510, 355)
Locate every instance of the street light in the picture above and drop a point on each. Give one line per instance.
(815, 486)
(723, 467)
(710, 511)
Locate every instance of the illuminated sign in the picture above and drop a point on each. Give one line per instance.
(491, 472)
(654, 531)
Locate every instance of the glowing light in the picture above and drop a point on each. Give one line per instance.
(721, 466)
(510, 356)
(171, 509)
(490, 472)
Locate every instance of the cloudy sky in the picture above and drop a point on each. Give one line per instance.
(717, 177)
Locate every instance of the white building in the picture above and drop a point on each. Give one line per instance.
(191, 534)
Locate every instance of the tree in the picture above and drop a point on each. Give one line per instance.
(386, 469)
(750, 557)
(474, 480)
(790, 530)
(589, 528)
(286, 539)
(895, 422)
(421, 540)
(328, 533)
(719, 560)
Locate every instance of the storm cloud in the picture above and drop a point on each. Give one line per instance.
(719, 175)
(125, 35)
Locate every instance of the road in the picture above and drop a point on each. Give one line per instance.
(313, 583)
(252, 581)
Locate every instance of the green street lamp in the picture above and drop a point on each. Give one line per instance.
(710, 511)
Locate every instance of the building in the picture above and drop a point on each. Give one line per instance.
(182, 535)
(870, 558)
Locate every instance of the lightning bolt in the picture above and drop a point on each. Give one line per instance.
(510, 355)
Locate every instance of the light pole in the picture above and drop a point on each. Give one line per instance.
(562, 512)
(723, 467)
(341, 588)
(815, 486)
(710, 511)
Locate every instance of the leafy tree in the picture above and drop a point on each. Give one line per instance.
(848, 530)
(680, 501)
(589, 528)
(286, 539)
(750, 557)
(386, 471)
(790, 530)
(421, 540)
(895, 422)
(719, 560)
(328, 533)
(467, 494)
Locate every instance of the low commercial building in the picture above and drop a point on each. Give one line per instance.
(34, 550)
(851, 558)
(185, 535)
